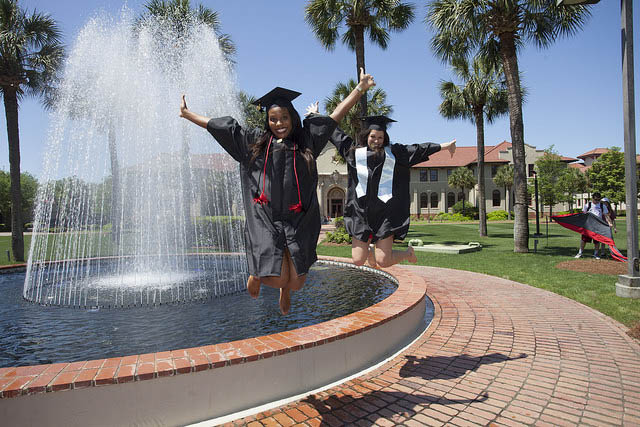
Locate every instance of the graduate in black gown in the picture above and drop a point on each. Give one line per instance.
(279, 179)
(378, 198)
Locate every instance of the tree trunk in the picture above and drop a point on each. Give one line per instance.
(510, 65)
(482, 205)
(359, 35)
(13, 134)
(116, 191)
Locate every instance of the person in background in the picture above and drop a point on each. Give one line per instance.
(612, 213)
(598, 208)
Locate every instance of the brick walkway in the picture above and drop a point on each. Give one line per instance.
(498, 352)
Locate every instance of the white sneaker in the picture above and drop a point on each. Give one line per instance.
(595, 256)
(579, 255)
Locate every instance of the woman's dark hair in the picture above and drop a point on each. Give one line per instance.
(363, 136)
(296, 135)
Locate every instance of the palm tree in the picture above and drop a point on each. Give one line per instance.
(253, 118)
(484, 94)
(501, 27)
(376, 17)
(30, 56)
(462, 178)
(180, 15)
(504, 178)
(376, 106)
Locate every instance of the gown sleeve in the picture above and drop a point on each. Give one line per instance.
(230, 135)
(418, 153)
(317, 131)
(341, 141)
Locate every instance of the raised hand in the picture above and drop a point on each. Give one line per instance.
(183, 106)
(312, 109)
(366, 80)
(451, 146)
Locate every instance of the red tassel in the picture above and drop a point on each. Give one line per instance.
(296, 208)
(262, 200)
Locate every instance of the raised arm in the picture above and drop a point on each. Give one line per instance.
(451, 146)
(366, 81)
(191, 116)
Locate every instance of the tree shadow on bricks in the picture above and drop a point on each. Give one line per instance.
(365, 410)
(448, 367)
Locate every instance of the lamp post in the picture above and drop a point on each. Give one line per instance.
(628, 285)
(535, 186)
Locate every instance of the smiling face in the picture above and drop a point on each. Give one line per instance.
(280, 122)
(375, 141)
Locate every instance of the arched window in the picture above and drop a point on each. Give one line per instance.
(434, 200)
(451, 200)
(496, 197)
(424, 200)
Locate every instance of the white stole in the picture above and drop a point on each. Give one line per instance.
(385, 187)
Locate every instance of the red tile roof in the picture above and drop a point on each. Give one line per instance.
(596, 152)
(580, 166)
(465, 156)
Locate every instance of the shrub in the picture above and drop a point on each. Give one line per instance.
(339, 222)
(497, 216)
(339, 236)
(445, 216)
(219, 231)
(469, 210)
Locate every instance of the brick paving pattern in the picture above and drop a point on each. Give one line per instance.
(497, 353)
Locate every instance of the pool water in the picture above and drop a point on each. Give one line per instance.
(34, 334)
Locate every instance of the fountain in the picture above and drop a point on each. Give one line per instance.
(145, 199)
(146, 219)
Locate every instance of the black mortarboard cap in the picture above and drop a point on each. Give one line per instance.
(275, 97)
(376, 122)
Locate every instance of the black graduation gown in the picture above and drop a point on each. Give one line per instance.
(272, 227)
(368, 216)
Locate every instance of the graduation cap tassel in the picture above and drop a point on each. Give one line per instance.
(298, 206)
(262, 199)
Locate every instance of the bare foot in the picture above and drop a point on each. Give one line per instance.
(412, 255)
(285, 300)
(253, 286)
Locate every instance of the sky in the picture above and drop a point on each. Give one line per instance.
(574, 88)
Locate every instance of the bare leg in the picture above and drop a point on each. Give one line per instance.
(359, 251)
(280, 281)
(253, 286)
(386, 256)
(295, 282)
(371, 257)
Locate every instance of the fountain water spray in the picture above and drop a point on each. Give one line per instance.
(143, 197)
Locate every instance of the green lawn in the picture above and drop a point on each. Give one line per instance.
(536, 269)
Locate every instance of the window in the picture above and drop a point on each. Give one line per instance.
(496, 198)
(424, 200)
(494, 170)
(451, 200)
(433, 174)
(531, 169)
(434, 200)
(449, 171)
(423, 175)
